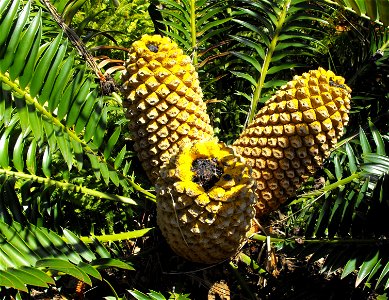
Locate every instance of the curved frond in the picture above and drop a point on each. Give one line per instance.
(342, 221)
(194, 23)
(29, 253)
(272, 32)
(377, 11)
(50, 101)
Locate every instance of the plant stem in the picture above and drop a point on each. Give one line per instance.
(46, 114)
(333, 186)
(262, 238)
(67, 186)
(249, 262)
(242, 281)
(266, 63)
(193, 31)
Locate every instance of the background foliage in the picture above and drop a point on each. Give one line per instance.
(74, 204)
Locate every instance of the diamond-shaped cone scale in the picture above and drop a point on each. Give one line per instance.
(163, 101)
(205, 201)
(293, 134)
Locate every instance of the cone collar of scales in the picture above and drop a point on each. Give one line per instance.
(154, 47)
(206, 168)
(205, 202)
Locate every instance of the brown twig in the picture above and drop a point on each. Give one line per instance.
(107, 84)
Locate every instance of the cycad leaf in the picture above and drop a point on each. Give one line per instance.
(8, 58)
(6, 25)
(65, 267)
(248, 58)
(351, 158)
(377, 139)
(350, 267)
(383, 274)
(78, 245)
(277, 30)
(88, 269)
(47, 88)
(119, 158)
(10, 280)
(366, 267)
(112, 142)
(23, 49)
(25, 250)
(375, 10)
(43, 66)
(28, 278)
(245, 76)
(102, 263)
(366, 148)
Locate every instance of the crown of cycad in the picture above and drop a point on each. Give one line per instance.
(293, 133)
(163, 101)
(205, 201)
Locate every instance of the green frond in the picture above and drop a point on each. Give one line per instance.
(343, 220)
(271, 33)
(33, 255)
(50, 100)
(377, 11)
(194, 23)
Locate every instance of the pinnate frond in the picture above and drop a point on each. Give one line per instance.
(271, 34)
(30, 253)
(51, 102)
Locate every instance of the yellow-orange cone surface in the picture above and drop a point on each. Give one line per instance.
(205, 202)
(163, 101)
(293, 134)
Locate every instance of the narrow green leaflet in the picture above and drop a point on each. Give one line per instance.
(31, 157)
(28, 278)
(377, 139)
(10, 280)
(88, 269)
(65, 267)
(102, 263)
(366, 267)
(384, 272)
(112, 142)
(351, 158)
(8, 58)
(64, 145)
(78, 245)
(119, 158)
(6, 25)
(47, 88)
(43, 66)
(23, 49)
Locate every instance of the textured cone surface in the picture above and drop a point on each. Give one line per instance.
(293, 133)
(163, 101)
(205, 202)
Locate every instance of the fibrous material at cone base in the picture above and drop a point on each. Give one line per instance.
(293, 134)
(205, 201)
(163, 101)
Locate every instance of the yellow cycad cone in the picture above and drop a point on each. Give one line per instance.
(293, 133)
(205, 202)
(163, 101)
